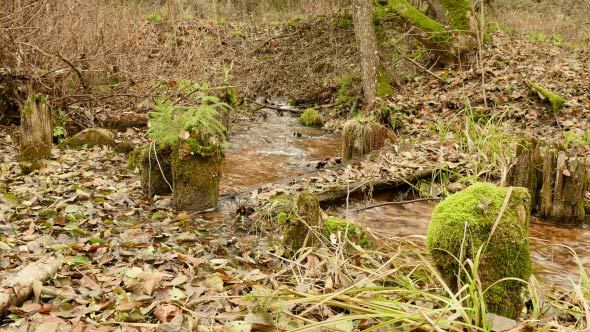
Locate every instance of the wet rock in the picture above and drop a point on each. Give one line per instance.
(91, 137)
(481, 216)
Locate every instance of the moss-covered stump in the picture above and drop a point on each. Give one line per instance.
(311, 118)
(345, 231)
(35, 132)
(196, 178)
(361, 136)
(156, 170)
(463, 223)
(302, 225)
(91, 137)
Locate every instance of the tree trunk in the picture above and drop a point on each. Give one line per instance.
(367, 44)
(36, 132)
(565, 181)
(15, 290)
(196, 180)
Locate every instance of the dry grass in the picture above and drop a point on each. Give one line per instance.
(566, 20)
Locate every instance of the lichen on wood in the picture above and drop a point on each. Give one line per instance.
(495, 219)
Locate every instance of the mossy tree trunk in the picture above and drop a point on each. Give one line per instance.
(196, 179)
(565, 181)
(450, 43)
(156, 170)
(36, 132)
(362, 13)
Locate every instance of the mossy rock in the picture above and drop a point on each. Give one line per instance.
(298, 223)
(311, 118)
(354, 233)
(91, 137)
(465, 220)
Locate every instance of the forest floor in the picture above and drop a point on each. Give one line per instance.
(134, 264)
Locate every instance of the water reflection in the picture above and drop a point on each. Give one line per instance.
(551, 259)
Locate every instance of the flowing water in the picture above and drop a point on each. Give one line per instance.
(551, 259)
(278, 148)
(275, 149)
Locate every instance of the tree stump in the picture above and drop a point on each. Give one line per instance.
(527, 171)
(196, 179)
(35, 132)
(299, 230)
(565, 180)
(156, 170)
(360, 137)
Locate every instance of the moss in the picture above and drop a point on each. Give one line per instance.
(91, 137)
(196, 179)
(307, 214)
(134, 158)
(348, 89)
(383, 86)
(156, 170)
(354, 233)
(311, 118)
(405, 10)
(47, 213)
(465, 220)
(458, 13)
(557, 102)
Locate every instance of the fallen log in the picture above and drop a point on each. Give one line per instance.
(16, 289)
(338, 192)
(122, 121)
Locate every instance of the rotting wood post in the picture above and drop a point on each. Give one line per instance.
(565, 180)
(196, 179)
(360, 137)
(36, 132)
(527, 171)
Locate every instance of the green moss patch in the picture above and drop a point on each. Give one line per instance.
(311, 118)
(557, 102)
(299, 222)
(461, 225)
(351, 231)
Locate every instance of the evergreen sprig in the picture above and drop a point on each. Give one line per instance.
(197, 124)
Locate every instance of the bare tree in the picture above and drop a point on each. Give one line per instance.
(362, 12)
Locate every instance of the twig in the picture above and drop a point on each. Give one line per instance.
(82, 82)
(428, 71)
(399, 203)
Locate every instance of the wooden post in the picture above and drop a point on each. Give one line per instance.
(527, 171)
(565, 180)
(196, 179)
(36, 132)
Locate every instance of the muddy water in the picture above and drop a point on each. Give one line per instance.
(274, 149)
(550, 259)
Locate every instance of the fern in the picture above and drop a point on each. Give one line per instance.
(198, 125)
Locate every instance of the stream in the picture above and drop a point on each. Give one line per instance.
(279, 148)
